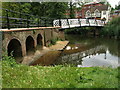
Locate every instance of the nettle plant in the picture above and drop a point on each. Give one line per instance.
(8, 60)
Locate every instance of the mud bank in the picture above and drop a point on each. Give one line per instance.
(45, 56)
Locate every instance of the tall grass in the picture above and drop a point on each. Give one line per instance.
(22, 76)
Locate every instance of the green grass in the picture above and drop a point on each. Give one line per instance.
(22, 76)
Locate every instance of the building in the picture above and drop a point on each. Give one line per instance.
(94, 10)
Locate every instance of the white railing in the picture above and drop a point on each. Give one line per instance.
(69, 23)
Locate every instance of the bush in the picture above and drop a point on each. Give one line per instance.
(112, 28)
(54, 40)
(80, 31)
(8, 61)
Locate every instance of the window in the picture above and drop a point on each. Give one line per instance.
(88, 14)
(104, 12)
(97, 13)
(80, 14)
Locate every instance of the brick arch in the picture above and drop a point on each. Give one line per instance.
(30, 43)
(39, 39)
(14, 47)
(8, 41)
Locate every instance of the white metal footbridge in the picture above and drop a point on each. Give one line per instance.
(70, 23)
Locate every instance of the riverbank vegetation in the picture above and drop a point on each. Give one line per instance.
(112, 29)
(54, 40)
(83, 31)
(23, 76)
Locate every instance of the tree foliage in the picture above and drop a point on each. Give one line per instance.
(112, 28)
(43, 9)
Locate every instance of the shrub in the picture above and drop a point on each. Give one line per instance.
(8, 60)
(54, 40)
(112, 28)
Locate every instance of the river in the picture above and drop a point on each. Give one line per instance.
(84, 52)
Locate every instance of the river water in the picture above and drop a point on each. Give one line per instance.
(85, 52)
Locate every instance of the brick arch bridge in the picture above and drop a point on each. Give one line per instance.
(18, 41)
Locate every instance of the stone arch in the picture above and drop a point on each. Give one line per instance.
(30, 43)
(39, 40)
(14, 48)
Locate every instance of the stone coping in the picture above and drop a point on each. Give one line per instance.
(26, 29)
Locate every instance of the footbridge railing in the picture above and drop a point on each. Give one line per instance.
(13, 19)
(69, 23)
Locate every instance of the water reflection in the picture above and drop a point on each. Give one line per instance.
(87, 52)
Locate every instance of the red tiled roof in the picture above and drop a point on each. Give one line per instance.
(100, 8)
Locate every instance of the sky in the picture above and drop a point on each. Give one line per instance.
(113, 2)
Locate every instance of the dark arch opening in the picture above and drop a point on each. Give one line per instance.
(29, 43)
(14, 48)
(39, 40)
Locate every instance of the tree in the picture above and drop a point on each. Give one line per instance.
(57, 9)
(113, 28)
(72, 8)
(43, 9)
(25, 11)
(117, 7)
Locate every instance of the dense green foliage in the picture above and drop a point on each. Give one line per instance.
(22, 76)
(54, 40)
(112, 28)
(83, 31)
(75, 31)
(26, 14)
(43, 9)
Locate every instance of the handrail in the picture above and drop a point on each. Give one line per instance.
(26, 20)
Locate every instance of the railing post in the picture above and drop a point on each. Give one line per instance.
(88, 21)
(45, 23)
(28, 21)
(68, 22)
(79, 21)
(8, 22)
(38, 22)
(104, 22)
(96, 22)
(60, 24)
(20, 20)
(52, 24)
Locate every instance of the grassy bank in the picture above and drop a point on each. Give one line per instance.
(22, 76)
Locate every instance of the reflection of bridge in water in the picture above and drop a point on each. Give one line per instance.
(76, 58)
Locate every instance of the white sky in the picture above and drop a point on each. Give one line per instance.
(113, 2)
